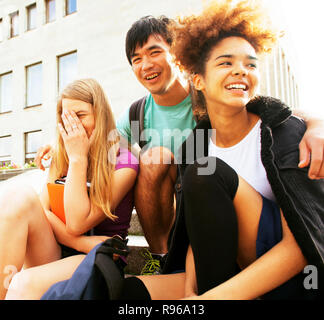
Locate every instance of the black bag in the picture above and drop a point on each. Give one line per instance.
(97, 277)
(136, 121)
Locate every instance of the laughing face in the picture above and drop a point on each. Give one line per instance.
(231, 75)
(152, 65)
(83, 110)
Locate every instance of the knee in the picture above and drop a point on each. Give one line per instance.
(199, 175)
(156, 155)
(17, 201)
(156, 162)
(210, 174)
(21, 286)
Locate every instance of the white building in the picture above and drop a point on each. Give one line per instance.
(46, 43)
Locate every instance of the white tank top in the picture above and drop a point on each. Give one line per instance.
(245, 159)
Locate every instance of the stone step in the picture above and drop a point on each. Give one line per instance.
(135, 259)
(137, 244)
(135, 226)
(137, 241)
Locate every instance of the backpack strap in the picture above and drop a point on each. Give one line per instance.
(107, 269)
(136, 120)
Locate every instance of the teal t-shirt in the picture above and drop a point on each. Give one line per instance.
(163, 126)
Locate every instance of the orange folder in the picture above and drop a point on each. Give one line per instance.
(56, 198)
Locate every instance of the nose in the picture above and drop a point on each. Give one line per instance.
(239, 70)
(147, 63)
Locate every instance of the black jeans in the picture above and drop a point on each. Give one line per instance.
(211, 222)
(211, 225)
(212, 230)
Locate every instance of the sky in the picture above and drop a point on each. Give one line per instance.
(303, 22)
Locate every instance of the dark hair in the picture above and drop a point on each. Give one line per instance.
(142, 29)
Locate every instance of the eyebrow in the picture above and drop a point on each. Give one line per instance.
(81, 111)
(155, 46)
(232, 56)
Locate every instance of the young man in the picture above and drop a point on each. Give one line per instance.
(167, 108)
(168, 119)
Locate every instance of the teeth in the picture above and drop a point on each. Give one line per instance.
(236, 86)
(152, 76)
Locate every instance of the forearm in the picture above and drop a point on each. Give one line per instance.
(60, 232)
(76, 200)
(311, 120)
(80, 243)
(277, 266)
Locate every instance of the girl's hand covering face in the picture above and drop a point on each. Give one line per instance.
(74, 136)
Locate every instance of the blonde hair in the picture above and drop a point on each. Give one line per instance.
(104, 147)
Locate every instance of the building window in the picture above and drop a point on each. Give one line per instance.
(5, 150)
(6, 92)
(33, 141)
(1, 30)
(34, 85)
(71, 6)
(67, 69)
(14, 24)
(31, 17)
(50, 11)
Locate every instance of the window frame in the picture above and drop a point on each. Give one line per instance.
(11, 17)
(1, 107)
(26, 86)
(1, 30)
(59, 69)
(67, 12)
(47, 15)
(2, 161)
(28, 16)
(33, 154)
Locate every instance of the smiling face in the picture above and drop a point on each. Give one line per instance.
(152, 65)
(231, 75)
(84, 112)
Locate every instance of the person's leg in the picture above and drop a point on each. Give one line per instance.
(222, 216)
(248, 205)
(154, 196)
(211, 223)
(25, 234)
(156, 287)
(32, 283)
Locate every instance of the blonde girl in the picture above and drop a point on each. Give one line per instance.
(87, 154)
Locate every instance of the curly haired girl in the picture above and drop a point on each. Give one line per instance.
(248, 218)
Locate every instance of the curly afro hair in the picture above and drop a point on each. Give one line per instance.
(195, 35)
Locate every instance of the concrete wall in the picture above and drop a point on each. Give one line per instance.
(97, 32)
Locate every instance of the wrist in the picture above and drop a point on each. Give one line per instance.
(314, 123)
(78, 243)
(78, 160)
